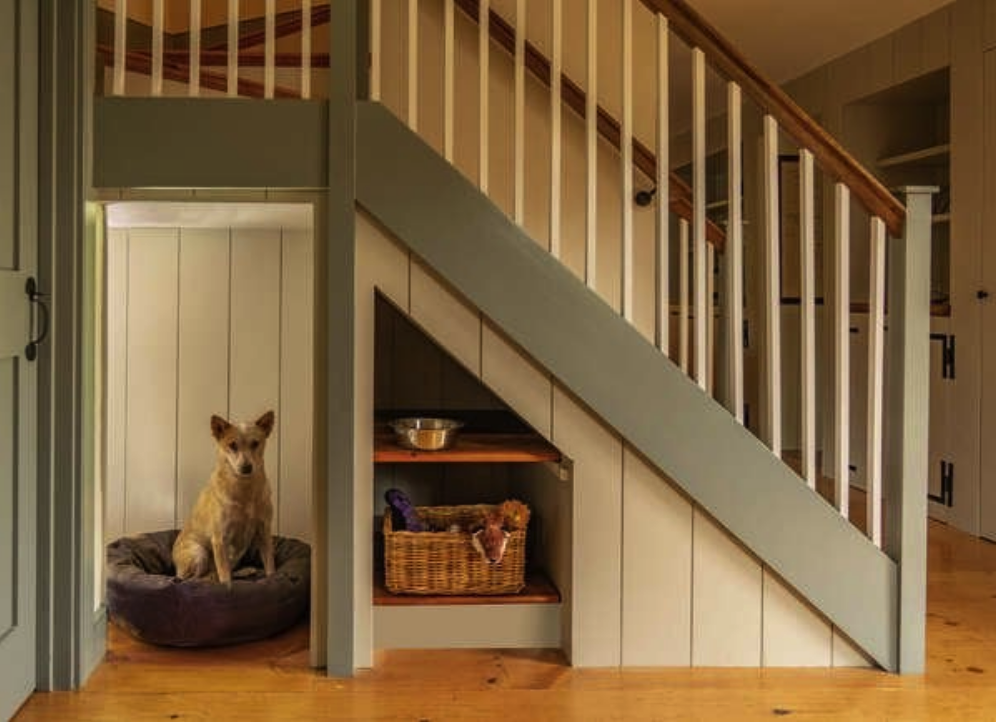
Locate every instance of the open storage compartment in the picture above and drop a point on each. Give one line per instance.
(495, 457)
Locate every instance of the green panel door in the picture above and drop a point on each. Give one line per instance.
(18, 400)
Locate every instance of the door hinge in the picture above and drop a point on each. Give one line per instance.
(945, 495)
(948, 349)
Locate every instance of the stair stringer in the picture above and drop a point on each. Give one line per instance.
(610, 367)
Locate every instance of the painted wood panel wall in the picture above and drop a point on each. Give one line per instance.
(205, 321)
(654, 581)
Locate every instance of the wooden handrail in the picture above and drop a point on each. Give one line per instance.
(680, 194)
(832, 157)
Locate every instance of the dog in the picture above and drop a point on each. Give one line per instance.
(234, 512)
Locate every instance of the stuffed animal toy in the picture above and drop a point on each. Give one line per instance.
(403, 512)
(515, 514)
(490, 541)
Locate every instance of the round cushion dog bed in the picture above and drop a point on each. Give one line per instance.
(145, 598)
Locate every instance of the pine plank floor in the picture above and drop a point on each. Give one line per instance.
(270, 680)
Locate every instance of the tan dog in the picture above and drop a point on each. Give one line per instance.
(234, 511)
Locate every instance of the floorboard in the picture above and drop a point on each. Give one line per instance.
(270, 680)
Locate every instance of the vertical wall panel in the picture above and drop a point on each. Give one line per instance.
(658, 538)
(794, 635)
(846, 654)
(117, 338)
(597, 457)
(296, 385)
(727, 599)
(255, 358)
(451, 322)
(517, 380)
(151, 388)
(203, 354)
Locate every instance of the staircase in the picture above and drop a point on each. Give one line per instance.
(584, 279)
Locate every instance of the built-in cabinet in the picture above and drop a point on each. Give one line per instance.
(496, 456)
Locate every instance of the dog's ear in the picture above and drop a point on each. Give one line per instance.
(266, 422)
(219, 426)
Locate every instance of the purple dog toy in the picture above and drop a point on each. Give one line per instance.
(403, 510)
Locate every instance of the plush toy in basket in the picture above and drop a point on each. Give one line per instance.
(470, 549)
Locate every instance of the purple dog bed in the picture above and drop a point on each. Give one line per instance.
(147, 600)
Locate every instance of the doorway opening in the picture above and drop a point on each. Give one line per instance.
(204, 308)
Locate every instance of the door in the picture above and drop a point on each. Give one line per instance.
(18, 400)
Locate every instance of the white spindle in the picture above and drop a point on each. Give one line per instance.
(875, 384)
(449, 80)
(156, 87)
(627, 164)
(269, 11)
(733, 256)
(840, 333)
(483, 95)
(771, 264)
(519, 95)
(120, 46)
(591, 31)
(709, 343)
(375, 50)
(807, 356)
(684, 295)
(662, 187)
(554, 215)
(306, 48)
(700, 217)
(232, 35)
(412, 106)
(194, 78)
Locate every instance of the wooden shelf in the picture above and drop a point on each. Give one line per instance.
(470, 448)
(538, 590)
(930, 155)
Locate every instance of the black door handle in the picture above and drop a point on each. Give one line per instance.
(35, 296)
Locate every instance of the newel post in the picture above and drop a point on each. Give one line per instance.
(908, 401)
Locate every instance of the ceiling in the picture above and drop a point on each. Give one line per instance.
(787, 38)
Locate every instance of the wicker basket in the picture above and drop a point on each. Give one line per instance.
(446, 562)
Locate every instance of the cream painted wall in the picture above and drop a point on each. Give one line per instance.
(203, 321)
(652, 580)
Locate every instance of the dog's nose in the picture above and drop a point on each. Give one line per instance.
(246, 469)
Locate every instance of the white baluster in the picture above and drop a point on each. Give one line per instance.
(156, 86)
(771, 263)
(194, 78)
(306, 47)
(270, 10)
(700, 217)
(627, 164)
(808, 411)
(483, 96)
(232, 66)
(449, 80)
(412, 107)
(554, 214)
(684, 295)
(519, 94)
(709, 318)
(662, 187)
(591, 146)
(375, 50)
(733, 257)
(875, 383)
(120, 46)
(841, 345)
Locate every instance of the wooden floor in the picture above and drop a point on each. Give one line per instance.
(270, 681)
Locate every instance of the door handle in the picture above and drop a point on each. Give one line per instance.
(35, 296)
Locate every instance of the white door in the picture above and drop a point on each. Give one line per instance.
(18, 254)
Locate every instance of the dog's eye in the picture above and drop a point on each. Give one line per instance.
(254, 445)
(233, 446)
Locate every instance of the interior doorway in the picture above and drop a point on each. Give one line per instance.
(205, 308)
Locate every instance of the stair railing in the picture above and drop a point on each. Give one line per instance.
(684, 208)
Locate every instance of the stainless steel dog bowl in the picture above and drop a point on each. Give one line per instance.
(423, 433)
